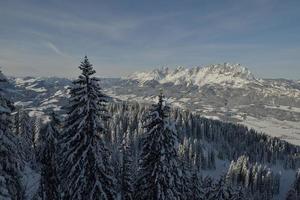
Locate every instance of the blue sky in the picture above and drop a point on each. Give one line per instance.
(49, 38)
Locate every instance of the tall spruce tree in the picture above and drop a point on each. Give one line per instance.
(10, 186)
(49, 165)
(26, 133)
(127, 188)
(159, 175)
(86, 171)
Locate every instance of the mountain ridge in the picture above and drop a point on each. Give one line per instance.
(217, 73)
(268, 105)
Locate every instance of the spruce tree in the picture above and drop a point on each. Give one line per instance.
(49, 165)
(27, 138)
(186, 168)
(127, 188)
(86, 172)
(159, 175)
(10, 187)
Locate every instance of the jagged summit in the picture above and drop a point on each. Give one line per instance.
(156, 74)
(233, 74)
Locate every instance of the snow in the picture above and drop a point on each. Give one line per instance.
(224, 74)
(184, 99)
(29, 84)
(40, 115)
(148, 76)
(51, 101)
(208, 108)
(22, 81)
(211, 117)
(178, 105)
(124, 97)
(20, 103)
(221, 169)
(286, 130)
(285, 108)
(286, 180)
(59, 93)
(32, 87)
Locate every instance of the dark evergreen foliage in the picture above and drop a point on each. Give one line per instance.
(86, 171)
(159, 174)
(127, 182)
(49, 162)
(10, 163)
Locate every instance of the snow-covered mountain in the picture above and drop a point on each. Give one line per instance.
(229, 92)
(222, 74)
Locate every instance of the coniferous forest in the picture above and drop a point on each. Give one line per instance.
(97, 148)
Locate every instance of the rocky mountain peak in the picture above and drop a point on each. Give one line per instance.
(234, 74)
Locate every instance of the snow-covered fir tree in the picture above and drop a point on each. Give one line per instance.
(27, 136)
(186, 169)
(127, 183)
(158, 175)
(255, 177)
(10, 163)
(49, 166)
(86, 172)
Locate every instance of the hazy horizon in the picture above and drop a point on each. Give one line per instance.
(124, 76)
(49, 38)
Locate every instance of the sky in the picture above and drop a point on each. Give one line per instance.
(50, 37)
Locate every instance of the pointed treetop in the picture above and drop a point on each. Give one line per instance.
(161, 108)
(86, 67)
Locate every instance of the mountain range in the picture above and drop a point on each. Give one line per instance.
(226, 92)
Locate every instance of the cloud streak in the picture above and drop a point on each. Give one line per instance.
(55, 49)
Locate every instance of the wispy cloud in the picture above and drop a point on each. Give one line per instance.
(55, 49)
